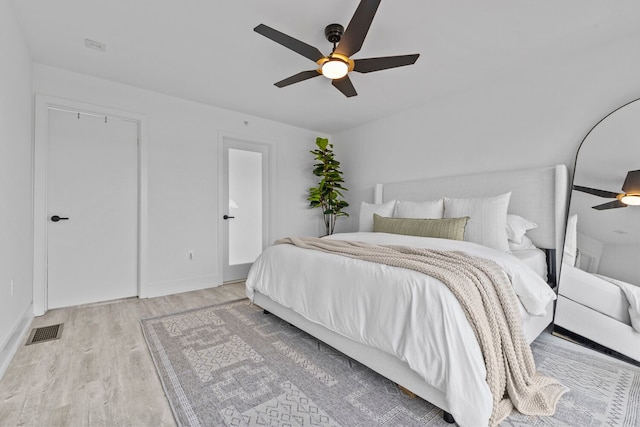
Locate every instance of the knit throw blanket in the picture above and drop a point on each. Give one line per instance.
(490, 305)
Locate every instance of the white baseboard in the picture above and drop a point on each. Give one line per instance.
(17, 336)
(158, 289)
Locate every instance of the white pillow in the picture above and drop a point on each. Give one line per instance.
(368, 209)
(487, 223)
(525, 243)
(517, 226)
(431, 209)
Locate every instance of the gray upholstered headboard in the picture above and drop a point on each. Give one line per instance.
(539, 194)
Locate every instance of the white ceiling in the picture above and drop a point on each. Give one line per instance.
(207, 51)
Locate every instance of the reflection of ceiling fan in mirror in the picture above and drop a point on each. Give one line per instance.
(631, 195)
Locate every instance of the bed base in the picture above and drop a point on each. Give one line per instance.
(383, 363)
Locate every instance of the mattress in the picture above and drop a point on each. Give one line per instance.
(534, 258)
(594, 292)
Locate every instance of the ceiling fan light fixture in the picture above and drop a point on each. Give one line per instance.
(335, 68)
(631, 199)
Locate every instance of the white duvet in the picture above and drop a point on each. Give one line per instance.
(402, 312)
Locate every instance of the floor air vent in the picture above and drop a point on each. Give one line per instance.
(46, 333)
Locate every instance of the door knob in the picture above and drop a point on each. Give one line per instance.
(57, 218)
(227, 217)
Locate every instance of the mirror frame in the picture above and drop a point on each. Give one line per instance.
(559, 330)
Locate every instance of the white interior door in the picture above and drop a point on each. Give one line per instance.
(245, 190)
(92, 186)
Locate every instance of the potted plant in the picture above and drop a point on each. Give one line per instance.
(328, 194)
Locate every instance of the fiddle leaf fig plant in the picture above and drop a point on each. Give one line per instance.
(327, 195)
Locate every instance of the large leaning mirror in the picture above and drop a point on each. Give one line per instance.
(599, 288)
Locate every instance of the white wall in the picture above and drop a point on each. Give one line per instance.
(183, 174)
(620, 261)
(16, 238)
(535, 117)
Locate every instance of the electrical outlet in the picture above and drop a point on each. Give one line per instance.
(11, 287)
(191, 255)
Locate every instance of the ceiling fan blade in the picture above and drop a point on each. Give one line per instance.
(304, 75)
(632, 182)
(368, 65)
(610, 205)
(295, 45)
(345, 86)
(596, 192)
(358, 27)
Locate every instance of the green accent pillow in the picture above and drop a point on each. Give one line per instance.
(445, 228)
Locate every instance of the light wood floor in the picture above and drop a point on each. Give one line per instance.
(100, 372)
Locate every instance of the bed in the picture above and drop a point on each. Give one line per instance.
(309, 291)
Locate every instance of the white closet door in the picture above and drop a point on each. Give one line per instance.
(92, 179)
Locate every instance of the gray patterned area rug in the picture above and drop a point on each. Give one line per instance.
(233, 365)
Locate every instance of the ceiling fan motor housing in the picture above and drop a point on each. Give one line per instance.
(333, 32)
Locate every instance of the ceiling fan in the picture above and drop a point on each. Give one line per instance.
(631, 195)
(338, 63)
